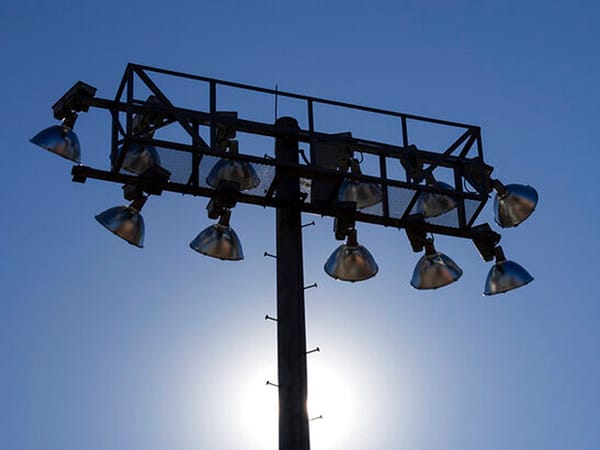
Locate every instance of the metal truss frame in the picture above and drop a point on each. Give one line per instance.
(464, 156)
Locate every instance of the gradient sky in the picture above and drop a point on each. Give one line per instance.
(106, 347)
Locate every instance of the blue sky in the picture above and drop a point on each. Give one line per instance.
(104, 346)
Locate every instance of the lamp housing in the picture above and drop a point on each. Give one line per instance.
(505, 275)
(513, 203)
(433, 204)
(60, 140)
(125, 221)
(219, 241)
(230, 170)
(362, 193)
(434, 269)
(351, 261)
(139, 158)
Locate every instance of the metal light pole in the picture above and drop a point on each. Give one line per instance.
(415, 201)
(291, 326)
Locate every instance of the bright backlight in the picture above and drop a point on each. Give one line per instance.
(329, 395)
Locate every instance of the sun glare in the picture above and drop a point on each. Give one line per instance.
(259, 410)
(329, 397)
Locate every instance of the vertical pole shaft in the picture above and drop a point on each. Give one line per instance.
(291, 329)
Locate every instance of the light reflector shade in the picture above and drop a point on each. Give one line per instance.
(231, 171)
(363, 194)
(505, 276)
(140, 158)
(351, 262)
(126, 222)
(219, 241)
(431, 204)
(434, 271)
(514, 205)
(60, 140)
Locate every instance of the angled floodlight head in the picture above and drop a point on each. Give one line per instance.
(145, 124)
(139, 158)
(513, 203)
(429, 204)
(361, 193)
(433, 204)
(505, 275)
(434, 269)
(61, 139)
(219, 241)
(351, 261)
(76, 99)
(125, 221)
(233, 171)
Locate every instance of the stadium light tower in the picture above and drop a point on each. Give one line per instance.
(329, 182)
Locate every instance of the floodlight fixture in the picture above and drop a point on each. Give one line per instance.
(505, 275)
(219, 241)
(361, 193)
(126, 221)
(139, 158)
(351, 261)
(513, 203)
(146, 123)
(434, 269)
(233, 171)
(60, 139)
(433, 204)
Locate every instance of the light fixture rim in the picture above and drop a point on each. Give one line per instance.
(504, 291)
(350, 186)
(77, 147)
(510, 190)
(425, 196)
(252, 181)
(222, 229)
(525, 281)
(448, 262)
(358, 247)
(105, 225)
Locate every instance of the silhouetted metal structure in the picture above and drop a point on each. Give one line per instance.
(161, 145)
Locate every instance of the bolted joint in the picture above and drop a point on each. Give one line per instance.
(478, 174)
(217, 206)
(499, 188)
(345, 222)
(415, 232)
(132, 192)
(69, 120)
(154, 179)
(411, 162)
(485, 240)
